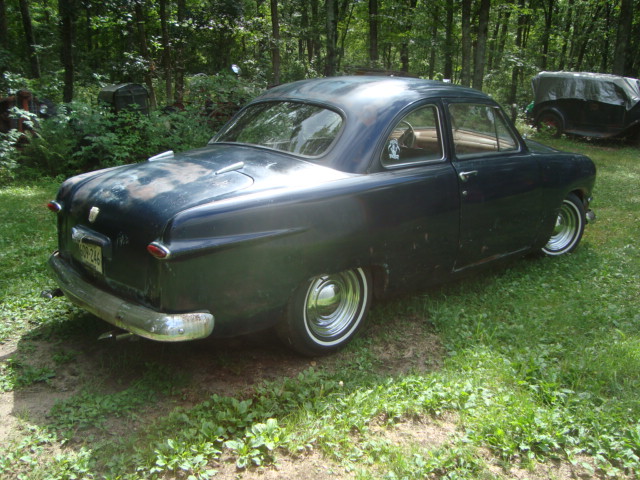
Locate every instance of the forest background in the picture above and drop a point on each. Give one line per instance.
(182, 50)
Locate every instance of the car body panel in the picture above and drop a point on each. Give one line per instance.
(243, 226)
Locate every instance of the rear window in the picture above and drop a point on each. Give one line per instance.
(298, 128)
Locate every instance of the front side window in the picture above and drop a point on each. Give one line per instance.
(414, 139)
(292, 127)
(480, 129)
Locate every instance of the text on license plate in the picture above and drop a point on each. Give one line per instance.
(91, 255)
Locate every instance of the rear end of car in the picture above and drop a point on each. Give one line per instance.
(107, 261)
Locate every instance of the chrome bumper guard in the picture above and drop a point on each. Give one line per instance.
(142, 321)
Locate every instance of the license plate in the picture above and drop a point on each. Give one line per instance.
(91, 255)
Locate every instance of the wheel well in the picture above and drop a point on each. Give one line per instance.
(552, 111)
(379, 278)
(580, 194)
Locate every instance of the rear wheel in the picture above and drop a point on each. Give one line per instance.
(551, 123)
(325, 312)
(568, 229)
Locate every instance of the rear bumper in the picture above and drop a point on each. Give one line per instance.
(137, 319)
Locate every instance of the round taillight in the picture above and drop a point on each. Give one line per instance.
(54, 206)
(158, 250)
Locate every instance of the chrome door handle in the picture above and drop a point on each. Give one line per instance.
(464, 176)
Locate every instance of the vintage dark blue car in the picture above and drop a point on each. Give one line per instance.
(315, 198)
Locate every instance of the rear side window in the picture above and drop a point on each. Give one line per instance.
(480, 129)
(414, 139)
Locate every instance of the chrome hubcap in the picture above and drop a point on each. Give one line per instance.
(332, 304)
(567, 225)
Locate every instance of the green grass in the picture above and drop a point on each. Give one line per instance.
(541, 364)
(28, 238)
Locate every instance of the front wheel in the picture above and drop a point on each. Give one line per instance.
(568, 229)
(325, 312)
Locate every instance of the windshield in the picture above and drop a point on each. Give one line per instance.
(299, 128)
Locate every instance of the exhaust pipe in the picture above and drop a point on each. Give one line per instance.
(51, 293)
(118, 335)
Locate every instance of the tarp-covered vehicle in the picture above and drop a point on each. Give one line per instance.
(586, 104)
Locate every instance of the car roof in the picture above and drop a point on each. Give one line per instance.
(369, 103)
(357, 92)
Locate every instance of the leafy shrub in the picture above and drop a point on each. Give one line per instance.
(222, 88)
(10, 143)
(83, 138)
(8, 154)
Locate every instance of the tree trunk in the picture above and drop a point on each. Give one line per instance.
(314, 42)
(4, 29)
(502, 39)
(166, 52)
(66, 9)
(515, 72)
(493, 42)
(623, 37)
(345, 30)
(634, 52)
(408, 11)
(448, 42)
(275, 42)
(332, 37)
(373, 33)
(179, 53)
(586, 38)
(481, 45)
(93, 62)
(548, 22)
(30, 39)
(434, 40)
(303, 41)
(465, 78)
(144, 51)
(565, 43)
(604, 61)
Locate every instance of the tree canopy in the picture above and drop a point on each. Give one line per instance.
(66, 49)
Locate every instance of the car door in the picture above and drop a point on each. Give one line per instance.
(499, 185)
(417, 206)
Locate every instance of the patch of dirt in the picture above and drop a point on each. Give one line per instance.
(231, 367)
(311, 466)
(556, 470)
(412, 350)
(431, 433)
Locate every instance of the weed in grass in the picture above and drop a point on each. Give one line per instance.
(31, 456)
(258, 445)
(185, 456)
(15, 373)
(62, 357)
(92, 408)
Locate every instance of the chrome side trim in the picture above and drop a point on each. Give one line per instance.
(161, 156)
(230, 168)
(137, 319)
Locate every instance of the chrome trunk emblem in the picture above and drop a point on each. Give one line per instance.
(93, 214)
